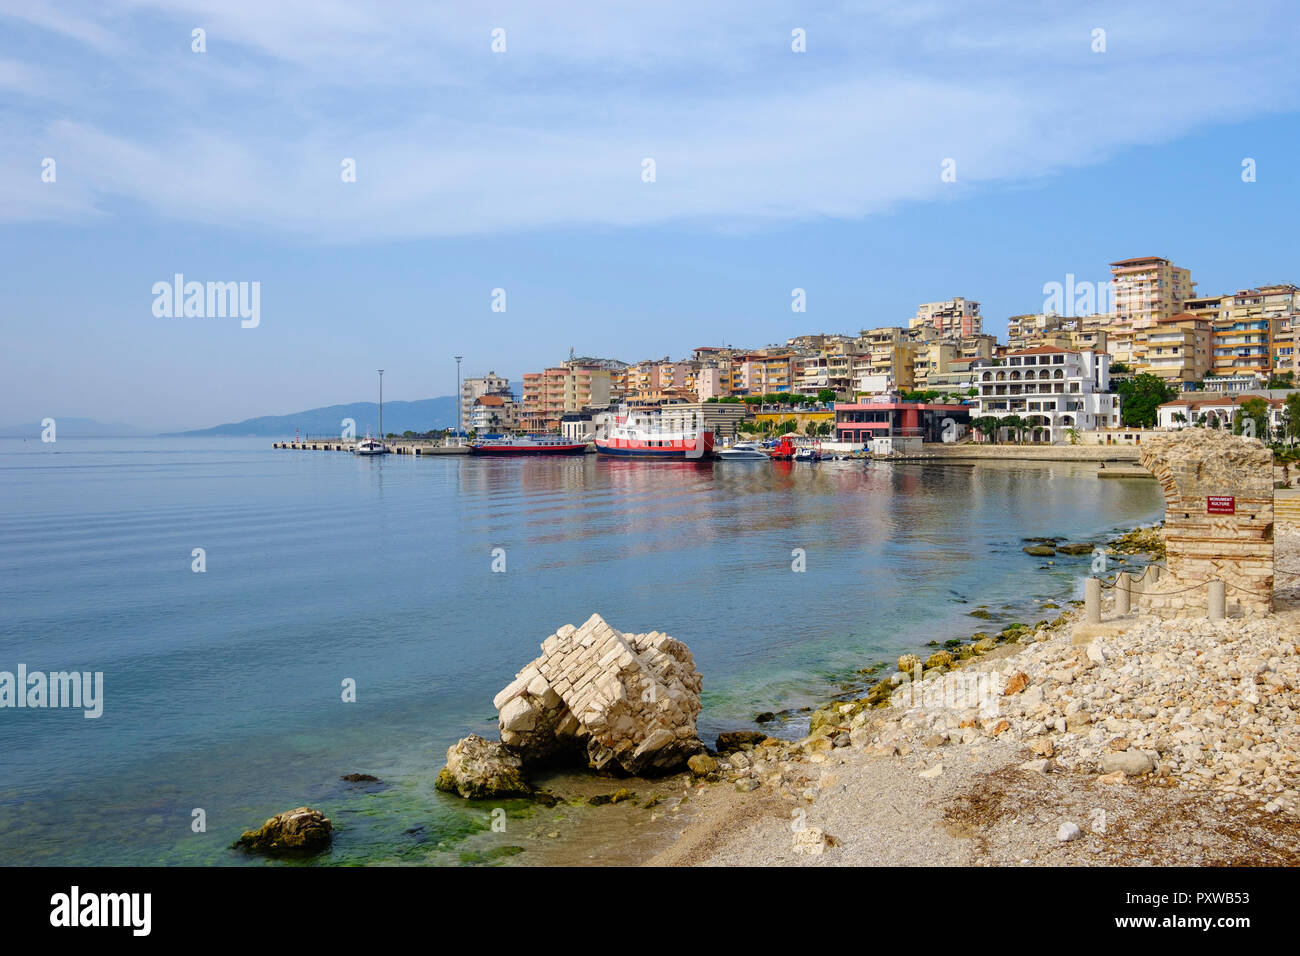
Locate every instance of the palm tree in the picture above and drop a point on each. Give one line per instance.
(1073, 434)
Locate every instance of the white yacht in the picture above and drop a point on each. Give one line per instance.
(370, 446)
(742, 451)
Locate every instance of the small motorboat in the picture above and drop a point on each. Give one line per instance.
(742, 451)
(370, 446)
(808, 453)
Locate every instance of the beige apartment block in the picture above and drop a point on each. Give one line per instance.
(1144, 290)
(952, 318)
(1177, 348)
(471, 389)
(890, 356)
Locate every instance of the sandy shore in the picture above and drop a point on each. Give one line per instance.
(1166, 743)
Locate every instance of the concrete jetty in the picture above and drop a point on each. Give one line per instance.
(400, 447)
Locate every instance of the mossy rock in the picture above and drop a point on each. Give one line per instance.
(908, 663)
(981, 613)
(938, 659)
(1076, 549)
(984, 645)
(618, 796)
(733, 740)
(1039, 551)
(954, 642)
(702, 765)
(298, 831)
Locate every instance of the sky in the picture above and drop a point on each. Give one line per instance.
(523, 168)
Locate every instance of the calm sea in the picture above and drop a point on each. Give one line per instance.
(223, 689)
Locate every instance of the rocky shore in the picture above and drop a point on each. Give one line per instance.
(1152, 742)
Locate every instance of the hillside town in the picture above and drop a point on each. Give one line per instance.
(1101, 364)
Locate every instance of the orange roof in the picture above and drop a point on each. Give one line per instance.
(490, 400)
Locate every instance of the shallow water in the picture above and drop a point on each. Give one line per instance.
(223, 690)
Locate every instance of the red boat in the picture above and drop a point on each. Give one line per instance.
(528, 446)
(630, 441)
(784, 449)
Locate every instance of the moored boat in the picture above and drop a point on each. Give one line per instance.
(629, 440)
(529, 445)
(370, 446)
(742, 451)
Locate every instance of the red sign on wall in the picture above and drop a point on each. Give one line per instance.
(1220, 505)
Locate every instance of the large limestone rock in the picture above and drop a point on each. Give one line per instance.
(477, 769)
(302, 830)
(625, 699)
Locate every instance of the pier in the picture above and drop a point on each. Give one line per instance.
(401, 447)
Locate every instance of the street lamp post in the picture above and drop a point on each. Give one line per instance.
(460, 402)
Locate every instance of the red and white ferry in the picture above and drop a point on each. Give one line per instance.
(641, 437)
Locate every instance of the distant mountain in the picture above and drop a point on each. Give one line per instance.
(424, 415)
(74, 428)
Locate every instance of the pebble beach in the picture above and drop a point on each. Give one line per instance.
(1153, 742)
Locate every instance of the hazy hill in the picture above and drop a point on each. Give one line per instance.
(426, 414)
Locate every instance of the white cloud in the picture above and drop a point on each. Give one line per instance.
(451, 139)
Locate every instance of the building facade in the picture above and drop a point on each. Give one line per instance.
(1050, 389)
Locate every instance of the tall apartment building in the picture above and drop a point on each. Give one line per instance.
(471, 389)
(952, 318)
(933, 359)
(1177, 348)
(578, 383)
(763, 373)
(1143, 291)
(890, 361)
(1249, 323)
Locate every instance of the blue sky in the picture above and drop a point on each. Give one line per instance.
(522, 170)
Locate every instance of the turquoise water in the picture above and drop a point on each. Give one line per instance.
(223, 690)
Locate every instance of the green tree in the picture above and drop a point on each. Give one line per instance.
(1119, 368)
(1293, 415)
(986, 425)
(1073, 434)
(1282, 380)
(1253, 417)
(825, 428)
(1015, 423)
(826, 396)
(1140, 396)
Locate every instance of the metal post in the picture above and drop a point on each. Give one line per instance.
(460, 400)
(1123, 593)
(1092, 600)
(1218, 600)
(381, 406)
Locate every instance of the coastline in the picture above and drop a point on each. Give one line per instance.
(681, 818)
(944, 786)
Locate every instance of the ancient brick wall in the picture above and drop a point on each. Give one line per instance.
(1202, 471)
